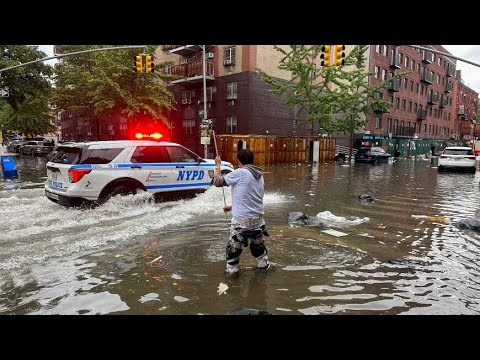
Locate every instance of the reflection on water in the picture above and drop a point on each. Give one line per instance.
(130, 256)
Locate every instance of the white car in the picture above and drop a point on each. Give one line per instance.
(92, 172)
(457, 158)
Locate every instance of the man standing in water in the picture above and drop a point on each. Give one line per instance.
(247, 210)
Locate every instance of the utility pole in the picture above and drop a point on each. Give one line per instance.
(205, 117)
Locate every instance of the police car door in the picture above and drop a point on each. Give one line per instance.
(151, 166)
(188, 171)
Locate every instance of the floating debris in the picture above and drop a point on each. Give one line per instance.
(180, 298)
(156, 259)
(222, 289)
(334, 232)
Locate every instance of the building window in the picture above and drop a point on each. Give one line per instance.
(389, 125)
(377, 72)
(186, 97)
(418, 88)
(424, 128)
(404, 103)
(438, 79)
(405, 82)
(188, 126)
(439, 61)
(406, 62)
(232, 90)
(395, 126)
(384, 74)
(412, 65)
(397, 103)
(123, 129)
(232, 125)
(415, 107)
(385, 50)
(411, 85)
(378, 122)
(229, 56)
(377, 49)
(409, 106)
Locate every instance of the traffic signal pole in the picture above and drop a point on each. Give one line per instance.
(444, 54)
(73, 53)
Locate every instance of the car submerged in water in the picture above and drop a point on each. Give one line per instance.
(92, 172)
(372, 154)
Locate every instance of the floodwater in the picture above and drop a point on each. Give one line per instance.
(398, 255)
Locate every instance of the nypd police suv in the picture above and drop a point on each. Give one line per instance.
(93, 172)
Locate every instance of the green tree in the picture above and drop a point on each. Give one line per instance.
(338, 98)
(307, 91)
(32, 117)
(27, 80)
(355, 97)
(98, 85)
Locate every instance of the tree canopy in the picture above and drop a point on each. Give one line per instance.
(27, 108)
(105, 83)
(27, 80)
(338, 98)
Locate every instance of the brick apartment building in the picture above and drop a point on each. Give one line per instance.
(238, 100)
(426, 101)
(466, 105)
(429, 102)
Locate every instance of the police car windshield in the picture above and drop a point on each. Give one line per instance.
(83, 155)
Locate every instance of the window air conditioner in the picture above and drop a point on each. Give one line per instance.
(228, 62)
(209, 55)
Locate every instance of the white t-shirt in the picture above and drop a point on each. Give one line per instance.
(247, 193)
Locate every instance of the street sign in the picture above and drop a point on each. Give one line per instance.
(4, 92)
(205, 140)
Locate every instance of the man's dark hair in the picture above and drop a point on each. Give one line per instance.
(245, 156)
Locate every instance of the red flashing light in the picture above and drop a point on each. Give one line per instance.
(75, 175)
(154, 136)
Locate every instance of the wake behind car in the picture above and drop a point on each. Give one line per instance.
(457, 158)
(93, 172)
(371, 154)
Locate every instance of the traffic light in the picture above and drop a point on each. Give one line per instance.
(339, 55)
(149, 64)
(325, 55)
(139, 63)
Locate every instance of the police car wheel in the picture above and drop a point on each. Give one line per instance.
(121, 190)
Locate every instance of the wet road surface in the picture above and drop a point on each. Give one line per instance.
(400, 255)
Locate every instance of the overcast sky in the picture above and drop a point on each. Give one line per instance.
(470, 73)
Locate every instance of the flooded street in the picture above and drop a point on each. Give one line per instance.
(400, 255)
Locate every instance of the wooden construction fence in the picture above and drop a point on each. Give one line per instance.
(270, 149)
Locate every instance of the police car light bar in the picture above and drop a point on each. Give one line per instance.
(155, 136)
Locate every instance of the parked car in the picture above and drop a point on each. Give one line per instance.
(371, 154)
(93, 172)
(457, 158)
(14, 145)
(36, 147)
